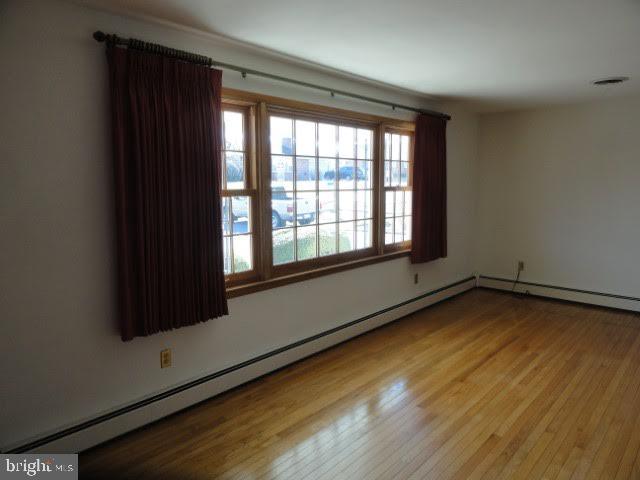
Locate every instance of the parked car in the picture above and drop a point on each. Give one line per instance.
(305, 175)
(240, 215)
(282, 208)
(346, 173)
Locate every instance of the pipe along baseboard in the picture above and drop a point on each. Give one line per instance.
(589, 297)
(109, 425)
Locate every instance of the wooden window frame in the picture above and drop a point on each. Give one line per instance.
(405, 245)
(250, 189)
(258, 167)
(337, 258)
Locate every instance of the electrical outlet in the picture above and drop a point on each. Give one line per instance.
(415, 279)
(520, 265)
(165, 358)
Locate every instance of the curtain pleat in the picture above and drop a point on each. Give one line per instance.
(166, 117)
(429, 222)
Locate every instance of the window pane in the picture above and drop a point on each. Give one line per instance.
(234, 170)
(387, 146)
(226, 244)
(327, 207)
(345, 234)
(306, 242)
(305, 138)
(346, 174)
(327, 239)
(387, 174)
(281, 208)
(241, 209)
(397, 211)
(306, 208)
(347, 139)
(363, 204)
(327, 173)
(395, 146)
(404, 174)
(404, 148)
(283, 246)
(364, 144)
(346, 204)
(233, 130)
(281, 135)
(395, 174)
(388, 204)
(226, 216)
(363, 234)
(241, 253)
(407, 228)
(310, 160)
(398, 229)
(305, 173)
(398, 208)
(364, 173)
(327, 140)
(388, 231)
(282, 172)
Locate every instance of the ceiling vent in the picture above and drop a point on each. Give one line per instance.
(610, 80)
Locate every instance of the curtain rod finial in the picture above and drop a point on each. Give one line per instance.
(99, 36)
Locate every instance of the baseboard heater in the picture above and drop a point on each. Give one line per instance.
(125, 419)
(589, 297)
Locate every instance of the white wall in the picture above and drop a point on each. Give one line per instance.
(560, 190)
(61, 359)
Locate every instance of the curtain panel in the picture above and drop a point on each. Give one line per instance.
(429, 223)
(166, 122)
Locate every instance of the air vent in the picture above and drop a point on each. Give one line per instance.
(611, 80)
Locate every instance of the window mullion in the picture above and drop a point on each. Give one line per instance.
(263, 145)
(233, 260)
(379, 215)
(317, 193)
(294, 182)
(337, 186)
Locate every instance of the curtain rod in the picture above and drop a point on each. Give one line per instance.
(203, 60)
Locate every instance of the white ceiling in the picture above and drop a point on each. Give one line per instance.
(496, 54)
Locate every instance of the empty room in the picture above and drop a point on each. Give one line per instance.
(303, 240)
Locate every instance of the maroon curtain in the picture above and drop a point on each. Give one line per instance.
(429, 224)
(166, 133)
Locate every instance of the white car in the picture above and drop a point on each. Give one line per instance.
(282, 209)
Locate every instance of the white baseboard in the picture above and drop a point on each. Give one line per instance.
(112, 424)
(563, 293)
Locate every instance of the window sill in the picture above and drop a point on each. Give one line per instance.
(259, 286)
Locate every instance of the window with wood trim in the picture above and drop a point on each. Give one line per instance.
(310, 189)
(397, 188)
(239, 193)
(321, 188)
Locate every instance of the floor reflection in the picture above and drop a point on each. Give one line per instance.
(345, 434)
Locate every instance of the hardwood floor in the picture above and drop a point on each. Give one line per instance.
(484, 386)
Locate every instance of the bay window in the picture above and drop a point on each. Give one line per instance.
(308, 190)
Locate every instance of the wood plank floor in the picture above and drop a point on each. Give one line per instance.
(484, 386)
